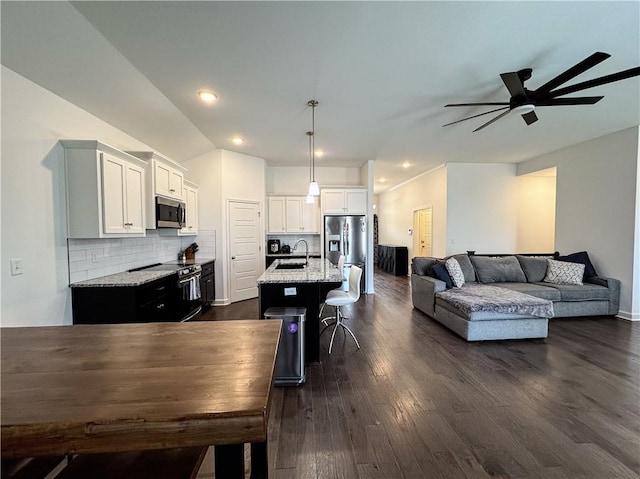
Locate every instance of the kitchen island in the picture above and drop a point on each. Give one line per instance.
(302, 287)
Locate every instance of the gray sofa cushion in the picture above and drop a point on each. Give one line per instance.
(534, 267)
(498, 270)
(582, 292)
(466, 266)
(422, 265)
(539, 290)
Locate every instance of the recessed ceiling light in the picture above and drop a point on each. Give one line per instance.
(237, 140)
(319, 153)
(406, 164)
(382, 180)
(207, 96)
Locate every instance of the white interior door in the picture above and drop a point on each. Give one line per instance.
(245, 249)
(422, 231)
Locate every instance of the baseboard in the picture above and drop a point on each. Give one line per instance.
(628, 316)
(221, 302)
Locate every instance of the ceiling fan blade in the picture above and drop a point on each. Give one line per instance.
(476, 116)
(530, 117)
(492, 120)
(513, 83)
(631, 72)
(572, 72)
(578, 100)
(476, 104)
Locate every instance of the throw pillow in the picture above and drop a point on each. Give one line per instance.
(562, 272)
(580, 257)
(505, 269)
(466, 266)
(534, 267)
(455, 271)
(441, 273)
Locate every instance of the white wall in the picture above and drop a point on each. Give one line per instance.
(223, 175)
(481, 208)
(596, 204)
(635, 288)
(536, 203)
(291, 180)
(395, 210)
(33, 197)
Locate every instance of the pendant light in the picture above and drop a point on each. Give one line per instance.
(314, 189)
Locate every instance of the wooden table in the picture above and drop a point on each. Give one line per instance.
(111, 388)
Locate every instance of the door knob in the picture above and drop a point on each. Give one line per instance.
(233, 257)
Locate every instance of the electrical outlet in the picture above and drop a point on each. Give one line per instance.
(16, 266)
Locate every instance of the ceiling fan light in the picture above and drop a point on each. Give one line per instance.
(314, 188)
(524, 109)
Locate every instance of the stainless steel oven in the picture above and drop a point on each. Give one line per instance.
(189, 294)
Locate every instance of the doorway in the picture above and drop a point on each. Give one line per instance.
(422, 231)
(245, 264)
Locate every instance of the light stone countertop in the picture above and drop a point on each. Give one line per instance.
(135, 278)
(319, 270)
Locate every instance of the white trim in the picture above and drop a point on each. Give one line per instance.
(406, 182)
(626, 316)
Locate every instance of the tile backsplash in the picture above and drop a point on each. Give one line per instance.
(312, 239)
(92, 258)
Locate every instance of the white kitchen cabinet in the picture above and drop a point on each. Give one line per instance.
(292, 214)
(190, 194)
(277, 215)
(344, 201)
(164, 177)
(105, 191)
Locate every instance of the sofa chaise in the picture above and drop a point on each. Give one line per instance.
(510, 296)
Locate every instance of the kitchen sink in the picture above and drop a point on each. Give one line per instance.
(290, 266)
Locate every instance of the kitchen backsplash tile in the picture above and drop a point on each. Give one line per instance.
(93, 258)
(290, 239)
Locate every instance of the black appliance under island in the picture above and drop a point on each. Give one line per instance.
(304, 287)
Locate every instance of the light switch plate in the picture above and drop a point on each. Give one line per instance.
(16, 266)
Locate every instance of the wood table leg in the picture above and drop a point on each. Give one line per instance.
(229, 461)
(259, 460)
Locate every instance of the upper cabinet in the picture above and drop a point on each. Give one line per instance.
(344, 201)
(292, 214)
(105, 191)
(165, 178)
(190, 194)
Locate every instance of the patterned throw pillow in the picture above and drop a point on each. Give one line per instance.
(455, 271)
(561, 272)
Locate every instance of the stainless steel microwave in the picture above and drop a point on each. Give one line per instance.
(169, 213)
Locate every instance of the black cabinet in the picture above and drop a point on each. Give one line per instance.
(155, 301)
(393, 259)
(208, 284)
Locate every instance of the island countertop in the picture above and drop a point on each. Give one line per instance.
(319, 270)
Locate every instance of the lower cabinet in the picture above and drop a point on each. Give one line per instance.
(208, 284)
(155, 301)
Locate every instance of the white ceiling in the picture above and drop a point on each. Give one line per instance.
(382, 72)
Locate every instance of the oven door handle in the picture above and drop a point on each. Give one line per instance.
(186, 280)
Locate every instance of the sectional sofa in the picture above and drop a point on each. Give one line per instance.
(509, 296)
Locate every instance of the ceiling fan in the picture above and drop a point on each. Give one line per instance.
(524, 101)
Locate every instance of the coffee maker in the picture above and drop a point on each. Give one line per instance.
(273, 246)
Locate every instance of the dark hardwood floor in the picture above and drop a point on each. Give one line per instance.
(417, 401)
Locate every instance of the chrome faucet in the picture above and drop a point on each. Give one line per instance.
(306, 247)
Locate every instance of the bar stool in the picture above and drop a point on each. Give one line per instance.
(343, 298)
(340, 267)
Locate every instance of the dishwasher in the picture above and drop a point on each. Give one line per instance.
(290, 370)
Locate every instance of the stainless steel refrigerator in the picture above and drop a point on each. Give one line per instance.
(346, 235)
